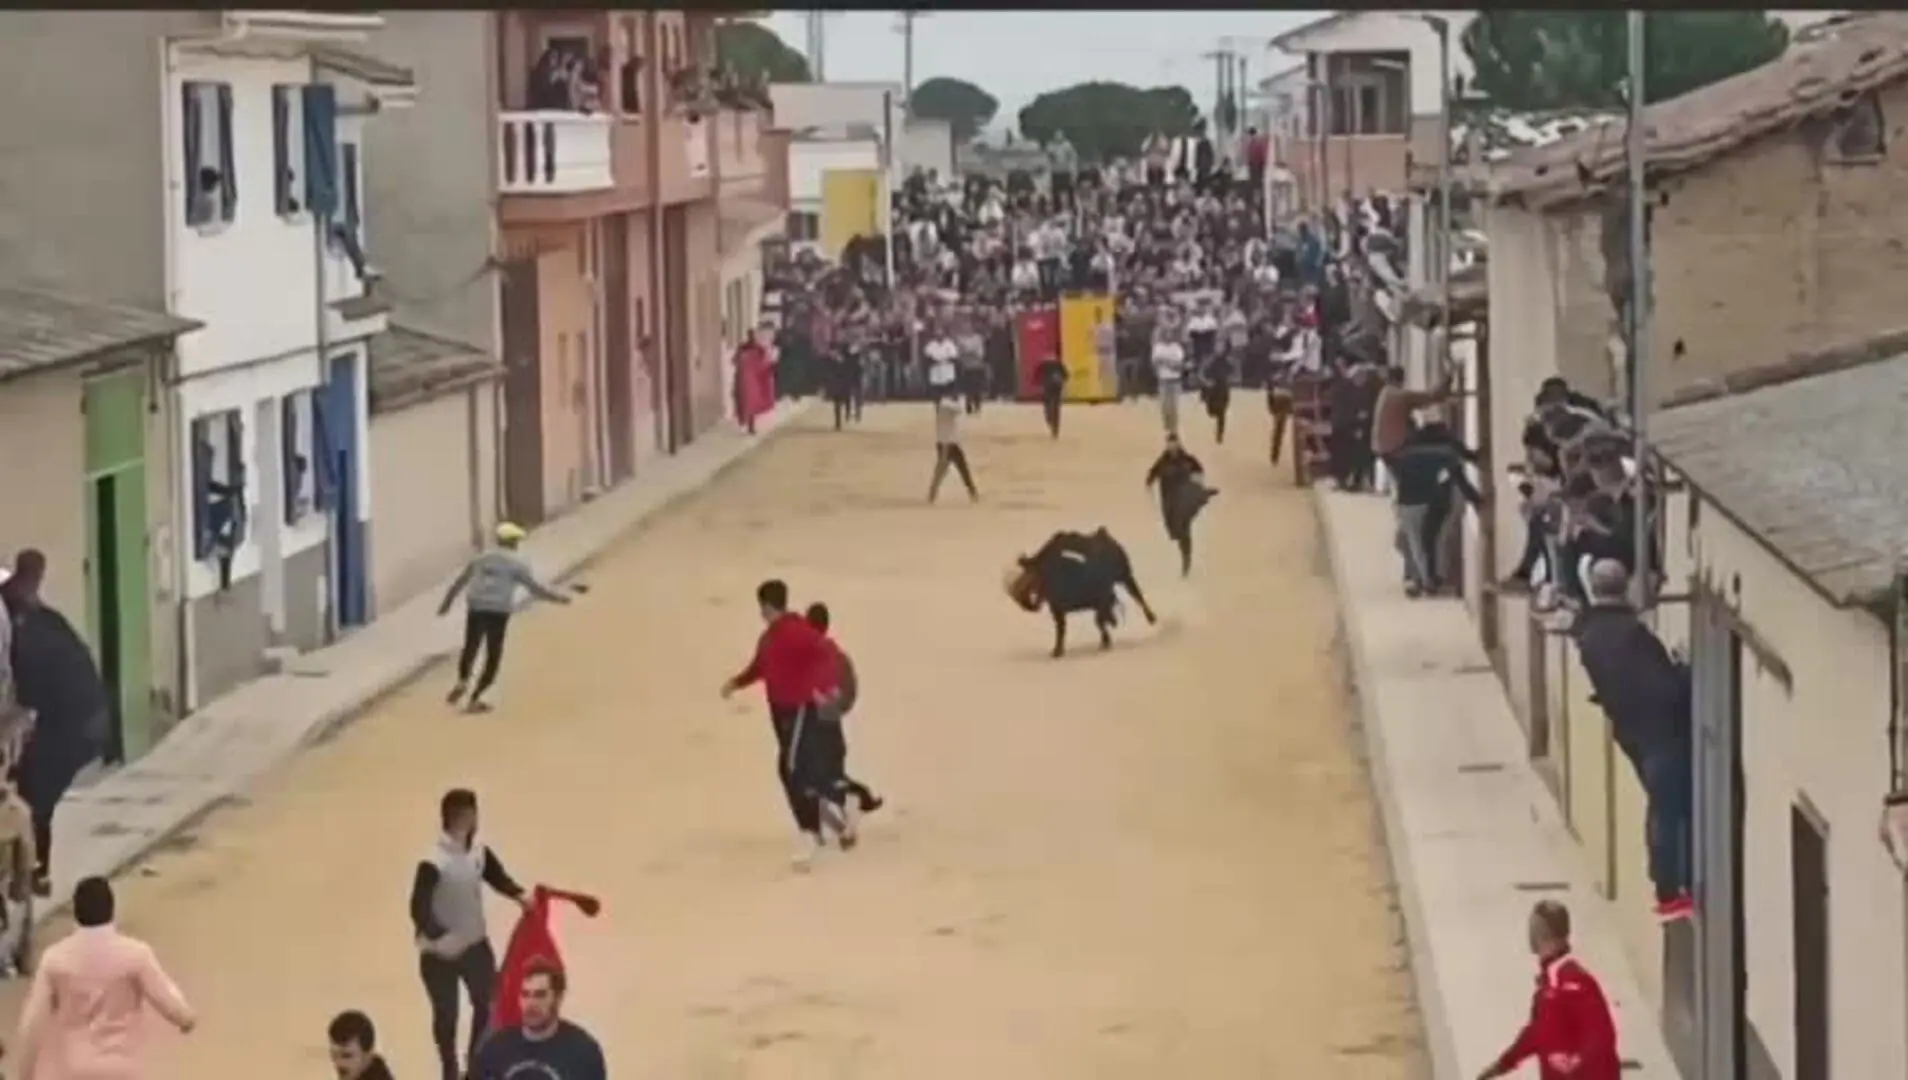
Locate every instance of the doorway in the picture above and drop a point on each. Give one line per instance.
(119, 601)
(350, 571)
(523, 393)
(675, 326)
(1809, 897)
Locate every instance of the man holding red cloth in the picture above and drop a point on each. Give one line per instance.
(796, 665)
(754, 379)
(1570, 1031)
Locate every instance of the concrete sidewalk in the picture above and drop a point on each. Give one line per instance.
(1475, 836)
(218, 752)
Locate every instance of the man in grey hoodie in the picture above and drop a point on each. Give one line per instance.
(489, 583)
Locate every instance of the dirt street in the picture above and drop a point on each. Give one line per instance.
(1157, 861)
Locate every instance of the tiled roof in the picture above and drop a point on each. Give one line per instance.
(40, 331)
(410, 366)
(1819, 74)
(1806, 455)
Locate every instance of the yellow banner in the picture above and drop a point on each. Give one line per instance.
(1086, 348)
(851, 207)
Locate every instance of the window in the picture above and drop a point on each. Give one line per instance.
(1860, 133)
(347, 228)
(288, 149)
(297, 427)
(211, 185)
(804, 228)
(629, 75)
(218, 485)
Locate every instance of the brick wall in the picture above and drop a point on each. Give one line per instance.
(1776, 249)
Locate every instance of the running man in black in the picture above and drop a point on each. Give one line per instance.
(1052, 377)
(1182, 493)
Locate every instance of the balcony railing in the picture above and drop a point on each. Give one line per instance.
(554, 153)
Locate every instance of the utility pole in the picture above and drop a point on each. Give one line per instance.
(1639, 311)
(816, 45)
(907, 62)
(1222, 59)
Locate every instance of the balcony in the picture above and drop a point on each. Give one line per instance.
(555, 153)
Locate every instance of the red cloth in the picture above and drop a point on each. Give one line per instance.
(793, 661)
(1569, 1017)
(754, 381)
(532, 941)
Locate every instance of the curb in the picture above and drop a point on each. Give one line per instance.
(1440, 1047)
(333, 722)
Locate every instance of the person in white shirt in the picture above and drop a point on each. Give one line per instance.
(1169, 368)
(1026, 275)
(944, 387)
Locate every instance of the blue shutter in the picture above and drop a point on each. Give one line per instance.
(321, 149)
(228, 170)
(191, 126)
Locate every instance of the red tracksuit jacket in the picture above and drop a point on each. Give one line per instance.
(793, 661)
(1570, 1017)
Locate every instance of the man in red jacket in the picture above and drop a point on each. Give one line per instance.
(1570, 1031)
(796, 665)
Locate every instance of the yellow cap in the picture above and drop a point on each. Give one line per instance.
(509, 532)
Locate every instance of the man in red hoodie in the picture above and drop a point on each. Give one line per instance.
(795, 663)
(1570, 1032)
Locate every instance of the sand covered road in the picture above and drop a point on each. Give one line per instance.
(1156, 861)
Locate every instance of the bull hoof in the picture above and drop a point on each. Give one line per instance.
(1057, 653)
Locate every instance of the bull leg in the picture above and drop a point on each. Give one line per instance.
(1103, 620)
(1059, 633)
(1132, 586)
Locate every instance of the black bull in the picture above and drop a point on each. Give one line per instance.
(1079, 572)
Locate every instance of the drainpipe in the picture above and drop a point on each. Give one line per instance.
(660, 388)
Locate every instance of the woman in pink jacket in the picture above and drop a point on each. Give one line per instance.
(86, 1014)
(754, 379)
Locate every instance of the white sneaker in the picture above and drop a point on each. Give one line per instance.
(805, 851)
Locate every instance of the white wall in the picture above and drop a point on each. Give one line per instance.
(925, 145)
(252, 281)
(809, 159)
(835, 104)
(243, 389)
(1394, 31)
(1826, 741)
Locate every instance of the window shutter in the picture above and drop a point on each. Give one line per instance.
(324, 475)
(235, 454)
(201, 491)
(284, 181)
(228, 171)
(348, 174)
(321, 149)
(293, 469)
(191, 126)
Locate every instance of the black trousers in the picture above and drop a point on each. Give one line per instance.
(482, 629)
(46, 771)
(1050, 408)
(799, 763)
(476, 969)
(946, 456)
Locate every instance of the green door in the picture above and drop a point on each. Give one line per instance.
(119, 599)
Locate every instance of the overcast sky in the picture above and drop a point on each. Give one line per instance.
(1017, 55)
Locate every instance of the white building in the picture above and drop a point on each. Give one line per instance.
(811, 156)
(264, 245)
